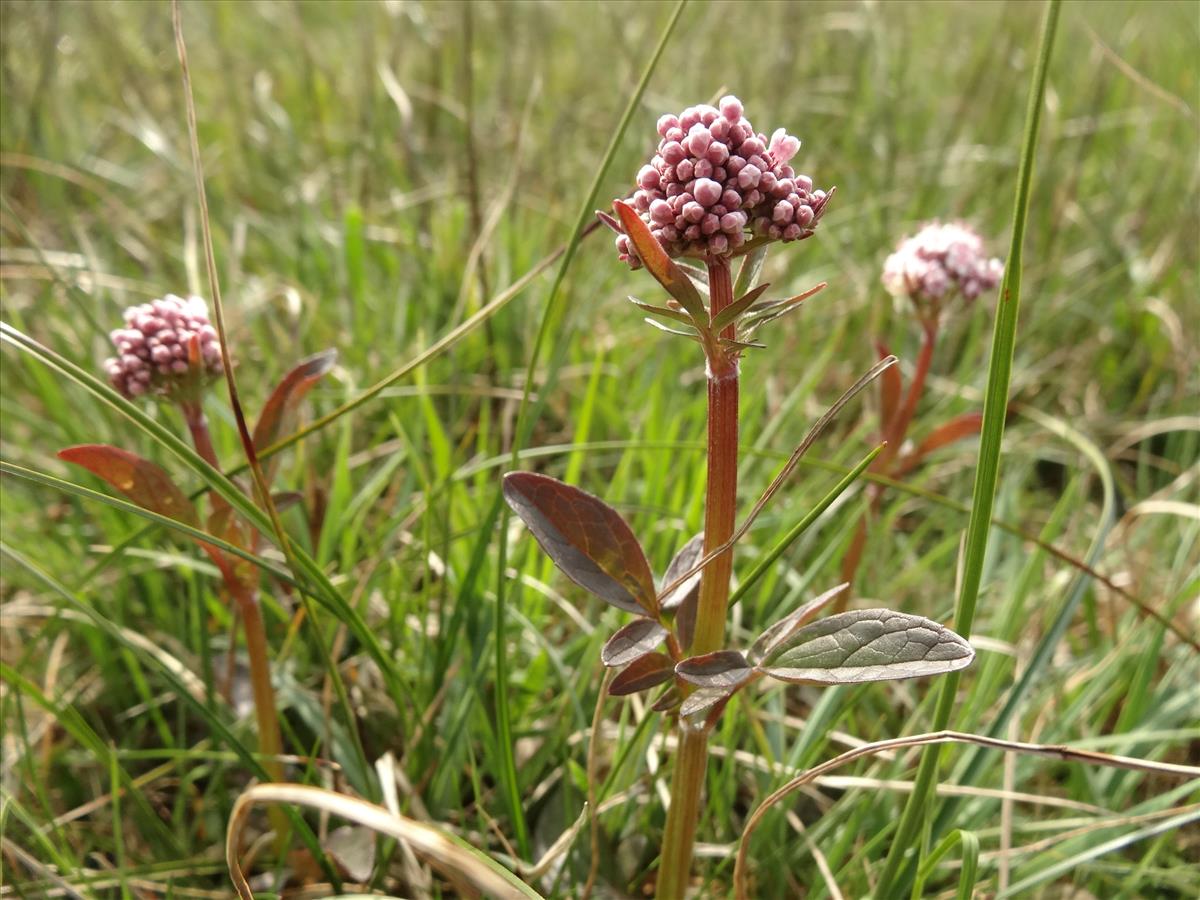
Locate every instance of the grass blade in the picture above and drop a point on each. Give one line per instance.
(995, 409)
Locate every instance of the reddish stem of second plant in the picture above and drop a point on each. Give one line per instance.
(270, 740)
(720, 512)
(894, 432)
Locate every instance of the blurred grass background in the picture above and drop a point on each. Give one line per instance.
(354, 154)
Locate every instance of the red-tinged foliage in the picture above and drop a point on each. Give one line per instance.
(890, 388)
(289, 392)
(586, 538)
(726, 669)
(644, 672)
(659, 264)
(143, 482)
(636, 639)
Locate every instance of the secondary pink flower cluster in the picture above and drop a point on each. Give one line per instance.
(939, 260)
(153, 347)
(714, 183)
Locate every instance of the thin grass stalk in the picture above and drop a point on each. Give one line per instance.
(261, 489)
(995, 410)
(525, 420)
(720, 515)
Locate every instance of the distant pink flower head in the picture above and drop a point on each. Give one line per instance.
(167, 347)
(714, 183)
(938, 261)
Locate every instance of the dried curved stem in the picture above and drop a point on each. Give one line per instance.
(1053, 751)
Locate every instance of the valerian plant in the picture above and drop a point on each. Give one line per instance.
(168, 350)
(930, 274)
(714, 192)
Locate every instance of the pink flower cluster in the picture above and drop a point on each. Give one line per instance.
(939, 260)
(714, 183)
(154, 346)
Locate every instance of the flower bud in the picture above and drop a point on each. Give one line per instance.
(153, 349)
(708, 192)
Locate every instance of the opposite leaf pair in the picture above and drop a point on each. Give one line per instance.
(590, 542)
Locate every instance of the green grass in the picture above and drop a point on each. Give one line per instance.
(339, 169)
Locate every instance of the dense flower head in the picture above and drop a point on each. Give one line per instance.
(939, 260)
(714, 183)
(154, 346)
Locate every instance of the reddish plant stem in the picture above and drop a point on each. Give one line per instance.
(270, 740)
(720, 510)
(894, 432)
(197, 423)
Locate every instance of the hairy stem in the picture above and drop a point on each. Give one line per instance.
(720, 509)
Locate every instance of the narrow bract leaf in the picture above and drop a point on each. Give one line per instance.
(143, 482)
(665, 311)
(609, 221)
(636, 639)
(287, 394)
(691, 334)
(773, 308)
(739, 346)
(644, 672)
(730, 313)
(586, 538)
(659, 264)
(786, 627)
(868, 645)
(723, 669)
(751, 270)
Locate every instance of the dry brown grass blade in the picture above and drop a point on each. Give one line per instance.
(445, 853)
(1053, 751)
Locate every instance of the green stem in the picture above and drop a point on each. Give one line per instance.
(720, 510)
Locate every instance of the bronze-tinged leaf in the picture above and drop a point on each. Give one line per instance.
(867, 645)
(964, 426)
(143, 482)
(659, 264)
(684, 560)
(644, 672)
(889, 390)
(287, 394)
(636, 639)
(703, 699)
(684, 598)
(786, 627)
(586, 538)
(724, 669)
(668, 700)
